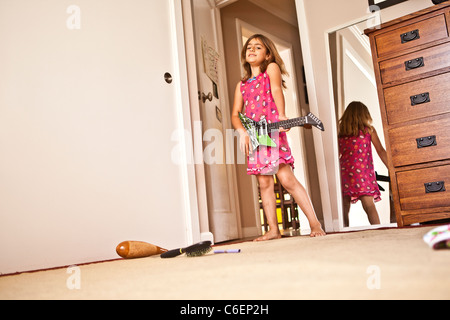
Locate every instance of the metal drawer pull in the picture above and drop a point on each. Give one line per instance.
(414, 64)
(410, 36)
(433, 187)
(420, 99)
(426, 142)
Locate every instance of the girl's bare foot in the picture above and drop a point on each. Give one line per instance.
(271, 235)
(317, 231)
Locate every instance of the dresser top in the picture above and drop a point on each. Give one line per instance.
(408, 17)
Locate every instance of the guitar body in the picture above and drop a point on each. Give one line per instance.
(258, 136)
(258, 131)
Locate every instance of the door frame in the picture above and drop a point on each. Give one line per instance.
(200, 182)
(300, 159)
(329, 199)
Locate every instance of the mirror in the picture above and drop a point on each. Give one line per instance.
(354, 80)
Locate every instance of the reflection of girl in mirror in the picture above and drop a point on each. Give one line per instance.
(356, 136)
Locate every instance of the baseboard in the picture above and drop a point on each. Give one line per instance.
(250, 232)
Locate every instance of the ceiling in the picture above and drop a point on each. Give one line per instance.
(284, 9)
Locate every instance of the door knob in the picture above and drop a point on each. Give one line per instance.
(205, 97)
(168, 78)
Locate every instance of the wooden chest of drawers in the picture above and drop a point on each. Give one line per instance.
(411, 56)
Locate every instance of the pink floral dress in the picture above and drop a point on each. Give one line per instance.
(258, 103)
(357, 171)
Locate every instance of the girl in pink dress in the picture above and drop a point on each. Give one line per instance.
(259, 103)
(358, 179)
(258, 95)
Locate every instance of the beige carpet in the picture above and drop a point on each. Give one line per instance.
(338, 266)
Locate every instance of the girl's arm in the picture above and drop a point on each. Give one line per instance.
(379, 147)
(276, 83)
(236, 122)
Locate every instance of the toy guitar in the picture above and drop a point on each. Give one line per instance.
(259, 131)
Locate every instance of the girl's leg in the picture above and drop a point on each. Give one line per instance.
(266, 186)
(371, 210)
(347, 203)
(295, 188)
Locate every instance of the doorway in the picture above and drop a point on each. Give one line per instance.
(240, 20)
(291, 94)
(213, 25)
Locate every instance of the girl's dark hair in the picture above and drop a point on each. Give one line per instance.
(356, 118)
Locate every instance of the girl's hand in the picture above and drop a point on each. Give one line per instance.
(283, 118)
(245, 143)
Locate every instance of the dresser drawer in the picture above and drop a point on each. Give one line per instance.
(420, 143)
(415, 64)
(418, 99)
(424, 188)
(413, 35)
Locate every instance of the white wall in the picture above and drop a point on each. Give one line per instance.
(86, 122)
(316, 19)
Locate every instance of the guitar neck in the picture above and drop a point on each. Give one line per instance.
(287, 124)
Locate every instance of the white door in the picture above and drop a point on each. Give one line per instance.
(224, 221)
(86, 120)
